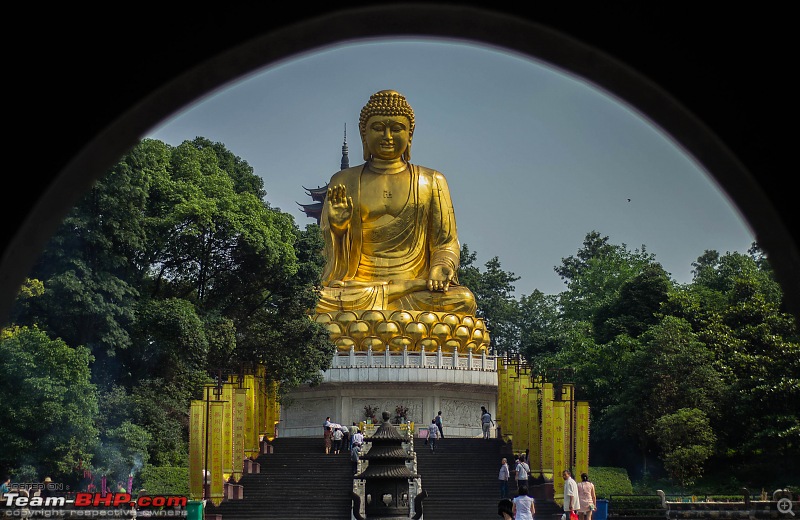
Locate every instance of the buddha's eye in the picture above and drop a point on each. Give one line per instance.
(378, 127)
(397, 128)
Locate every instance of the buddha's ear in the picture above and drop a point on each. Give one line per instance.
(366, 151)
(407, 152)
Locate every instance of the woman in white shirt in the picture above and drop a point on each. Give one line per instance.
(523, 505)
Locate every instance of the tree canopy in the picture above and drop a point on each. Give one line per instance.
(171, 267)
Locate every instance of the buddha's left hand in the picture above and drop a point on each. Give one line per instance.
(440, 278)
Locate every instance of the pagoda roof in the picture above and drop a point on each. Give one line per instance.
(375, 471)
(318, 193)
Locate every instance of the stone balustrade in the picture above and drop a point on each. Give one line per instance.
(419, 359)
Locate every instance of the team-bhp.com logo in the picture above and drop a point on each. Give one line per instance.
(91, 504)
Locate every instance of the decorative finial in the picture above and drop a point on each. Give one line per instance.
(345, 159)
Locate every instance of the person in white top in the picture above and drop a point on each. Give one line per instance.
(358, 438)
(433, 434)
(503, 477)
(571, 500)
(522, 472)
(523, 505)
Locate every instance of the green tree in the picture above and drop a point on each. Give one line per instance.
(172, 266)
(494, 292)
(49, 403)
(671, 370)
(122, 451)
(734, 305)
(687, 442)
(595, 275)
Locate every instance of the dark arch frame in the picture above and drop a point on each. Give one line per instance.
(109, 125)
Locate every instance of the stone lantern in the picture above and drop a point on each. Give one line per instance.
(387, 477)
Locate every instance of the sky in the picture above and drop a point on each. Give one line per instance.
(534, 156)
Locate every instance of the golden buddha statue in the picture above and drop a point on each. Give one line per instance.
(389, 225)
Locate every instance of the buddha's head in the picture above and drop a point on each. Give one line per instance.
(386, 109)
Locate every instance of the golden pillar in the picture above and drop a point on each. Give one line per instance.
(197, 441)
(559, 456)
(547, 430)
(215, 451)
(250, 429)
(239, 432)
(534, 428)
(581, 438)
(227, 430)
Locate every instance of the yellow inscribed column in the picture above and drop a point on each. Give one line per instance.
(258, 420)
(547, 430)
(239, 419)
(569, 425)
(227, 430)
(559, 412)
(534, 430)
(197, 440)
(524, 413)
(250, 417)
(273, 411)
(215, 451)
(508, 404)
(582, 438)
(516, 412)
(262, 403)
(502, 410)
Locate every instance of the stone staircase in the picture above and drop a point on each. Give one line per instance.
(298, 481)
(461, 480)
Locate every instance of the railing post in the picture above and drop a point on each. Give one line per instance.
(439, 363)
(422, 356)
(455, 358)
(369, 356)
(352, 355)
(405, 355)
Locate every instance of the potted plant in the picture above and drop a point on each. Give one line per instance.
(369, 413)
(401, 414)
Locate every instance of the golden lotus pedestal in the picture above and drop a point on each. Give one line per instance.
(401, 330)
(422, 361)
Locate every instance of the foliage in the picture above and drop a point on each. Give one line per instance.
(161, 480)
(122, 451)
(370, 411)
(610, 481)
(494, 292)
(48, 406)
(170, 267)
(687, 441)
(595, 275)
(636, 505)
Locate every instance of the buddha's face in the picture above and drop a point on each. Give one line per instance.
(387, 137)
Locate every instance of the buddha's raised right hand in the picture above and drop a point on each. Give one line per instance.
(340, 207)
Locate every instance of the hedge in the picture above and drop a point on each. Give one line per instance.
(609, 481)
(163, 480)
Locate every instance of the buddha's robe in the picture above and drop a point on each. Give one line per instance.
(384, 264)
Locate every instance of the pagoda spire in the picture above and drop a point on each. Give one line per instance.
(345, 159)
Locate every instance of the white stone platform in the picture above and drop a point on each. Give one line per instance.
(425, 383)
